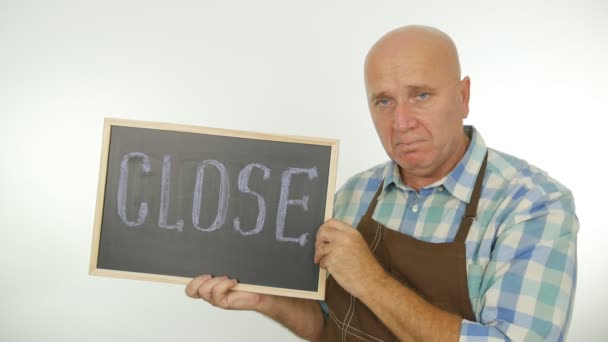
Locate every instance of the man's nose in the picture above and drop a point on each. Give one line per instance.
(403, 117)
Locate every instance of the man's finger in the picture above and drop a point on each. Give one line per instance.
(327, 233)
(204, 291)
(337, 224)
(192, 287)
(321, 250)
(220, 291)
(321, 241)
(322, 263)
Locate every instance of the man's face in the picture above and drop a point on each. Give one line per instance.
(417, 108)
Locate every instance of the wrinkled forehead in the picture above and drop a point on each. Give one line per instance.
(428, 53)
(407, 72)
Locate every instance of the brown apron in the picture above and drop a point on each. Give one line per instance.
(436, 271)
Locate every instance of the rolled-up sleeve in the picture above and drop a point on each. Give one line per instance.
(528, 286)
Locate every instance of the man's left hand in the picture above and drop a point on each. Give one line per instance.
(341, 249)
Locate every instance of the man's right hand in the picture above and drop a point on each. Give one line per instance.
(218, 292)
(302, 316)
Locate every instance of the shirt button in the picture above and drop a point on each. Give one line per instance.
(415, 208)
(440, 188)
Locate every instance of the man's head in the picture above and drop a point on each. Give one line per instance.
(418, 101)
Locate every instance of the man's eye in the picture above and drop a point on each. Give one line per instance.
(422, 96)
(383, 102)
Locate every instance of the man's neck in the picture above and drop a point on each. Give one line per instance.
(418, 182)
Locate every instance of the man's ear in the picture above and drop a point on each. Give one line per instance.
(465, 95)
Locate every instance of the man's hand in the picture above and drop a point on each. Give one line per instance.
(218, 292)
(302, 316)
(341, 249)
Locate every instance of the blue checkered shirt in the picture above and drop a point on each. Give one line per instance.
(521, 250)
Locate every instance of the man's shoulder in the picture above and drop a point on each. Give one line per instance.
(518, 172)
(523, 187)
(368, 180)
(357, 192)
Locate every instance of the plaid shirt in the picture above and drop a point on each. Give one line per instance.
(521, 250)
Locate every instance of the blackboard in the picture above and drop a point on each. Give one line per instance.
(178, 201)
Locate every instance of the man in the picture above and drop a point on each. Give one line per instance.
(453, 240)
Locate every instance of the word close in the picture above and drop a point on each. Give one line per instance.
(223, 198)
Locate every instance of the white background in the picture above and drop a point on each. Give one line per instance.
(539, 83)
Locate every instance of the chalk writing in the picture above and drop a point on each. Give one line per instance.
(223, 197)
(222, 207)
(122, 189)
(284, 202)
(243, 184)
(164, 198)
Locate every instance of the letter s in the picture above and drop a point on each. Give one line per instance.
(244, 188)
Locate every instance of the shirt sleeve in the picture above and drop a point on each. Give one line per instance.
(528, 286)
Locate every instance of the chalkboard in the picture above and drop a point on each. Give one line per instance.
(175, 202)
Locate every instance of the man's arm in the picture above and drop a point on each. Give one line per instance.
(302, 316)
(526, 290)
(343, 251)
(407, 315)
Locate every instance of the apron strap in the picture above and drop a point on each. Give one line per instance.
(470, 214)
(372, 205)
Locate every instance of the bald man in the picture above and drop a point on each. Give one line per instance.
(448, 240)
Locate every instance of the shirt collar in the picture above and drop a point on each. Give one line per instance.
(391, 175)
(461, 180)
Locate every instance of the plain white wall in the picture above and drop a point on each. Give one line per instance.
(539, 84)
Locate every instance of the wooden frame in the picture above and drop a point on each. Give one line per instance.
(103, 168)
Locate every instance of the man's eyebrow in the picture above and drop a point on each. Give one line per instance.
(379, 95)
(410, 88)
(419, 87)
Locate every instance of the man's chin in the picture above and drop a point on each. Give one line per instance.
(414, 159)
(413, 166)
